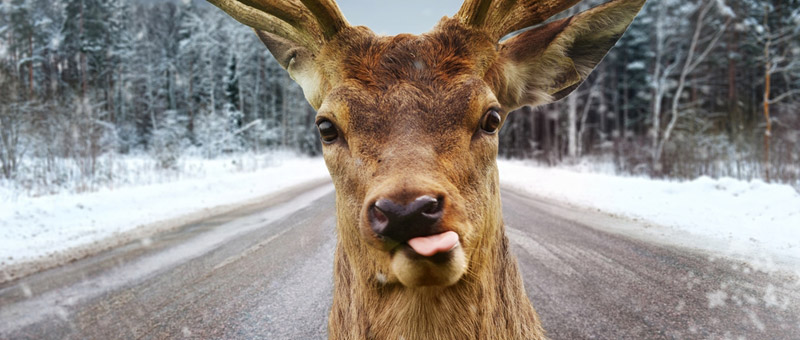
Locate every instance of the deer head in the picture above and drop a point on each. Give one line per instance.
(409, 124)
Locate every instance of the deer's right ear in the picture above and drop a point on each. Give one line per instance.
(548, 62)
(299, 62)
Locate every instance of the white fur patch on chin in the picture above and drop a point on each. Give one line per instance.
(415, 272)
(381, 278)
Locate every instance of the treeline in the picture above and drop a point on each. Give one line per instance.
(82, 78)
(682, 94)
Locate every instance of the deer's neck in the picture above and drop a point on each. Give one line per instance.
(488, 303)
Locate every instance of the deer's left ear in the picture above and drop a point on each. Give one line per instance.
(546, 63)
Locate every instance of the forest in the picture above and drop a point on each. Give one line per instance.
(700, 87)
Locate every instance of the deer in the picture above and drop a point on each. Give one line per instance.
(409, 131)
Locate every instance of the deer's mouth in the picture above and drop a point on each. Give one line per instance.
(421, 230)
(435, 260)
(432, 245)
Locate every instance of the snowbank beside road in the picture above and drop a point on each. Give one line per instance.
(67, 226)
(728, 216)
(743, 218)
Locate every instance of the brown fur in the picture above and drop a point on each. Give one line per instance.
(408, 110)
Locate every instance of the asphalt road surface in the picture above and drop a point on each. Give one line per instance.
(265, 272)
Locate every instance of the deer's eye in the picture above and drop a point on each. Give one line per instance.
(490, 121)
(327, 131)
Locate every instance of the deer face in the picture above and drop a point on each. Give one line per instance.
(409, 133)
(409, 124)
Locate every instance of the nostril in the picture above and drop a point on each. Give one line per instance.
(432, 206)
(379, 221)
(379, 216)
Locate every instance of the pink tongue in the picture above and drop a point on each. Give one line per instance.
(430, 245)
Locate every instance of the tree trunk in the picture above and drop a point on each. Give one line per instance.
(572, 122)
(531, 142)
(688, 66)
(110, 95)
(30, 67)
(733, 108)
(284, 114)
(190, 101)
(659, 85)
(82, 58)
(768, 127)
(585, 115)
(623, 125)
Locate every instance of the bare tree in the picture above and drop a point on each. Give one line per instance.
(661, 75)
(776, 61)
(12, 119)
(572, 122)
(592, 93)
(693, 59)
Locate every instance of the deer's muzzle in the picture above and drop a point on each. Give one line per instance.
(417, 229)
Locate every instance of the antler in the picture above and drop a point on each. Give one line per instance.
(306, 22)
(502, 17)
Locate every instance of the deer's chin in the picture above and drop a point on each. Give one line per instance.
(442, 269)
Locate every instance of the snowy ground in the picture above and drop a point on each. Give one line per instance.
(47, 230)
(725, 216)
(753, 221)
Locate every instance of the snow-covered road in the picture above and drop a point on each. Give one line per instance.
(272, 278)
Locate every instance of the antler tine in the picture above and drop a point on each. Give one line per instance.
(474, 12)
(328, 15)
(306, 22)
(502, 17)
(526, 13)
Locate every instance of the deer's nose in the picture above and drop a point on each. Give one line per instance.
(401, 223)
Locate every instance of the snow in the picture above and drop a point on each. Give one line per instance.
(725, 216)
(725, 10)
(753, 220)
(34, 228)
(637, 65)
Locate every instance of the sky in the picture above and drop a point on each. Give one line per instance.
(398, 16)
(390, 17)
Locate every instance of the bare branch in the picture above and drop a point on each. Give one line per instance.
(710, 46)
(784, 96)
